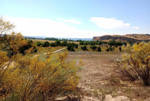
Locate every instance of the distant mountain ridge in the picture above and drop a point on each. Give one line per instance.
(124, 38)
(43, 37)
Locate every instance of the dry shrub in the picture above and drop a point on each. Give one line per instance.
(135, 64)
(39, 78)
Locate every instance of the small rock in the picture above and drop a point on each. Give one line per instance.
(61, 98)
(108, 98)
(121, 98)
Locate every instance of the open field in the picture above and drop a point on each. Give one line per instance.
(99, 77)
(50, 41)
(40, 40)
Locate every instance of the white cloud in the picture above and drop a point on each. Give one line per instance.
(50, 28)
(58, 28)
(70, 21)
(135, 27)
(109, 23)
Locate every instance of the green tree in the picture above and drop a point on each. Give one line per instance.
(57, 42)
(46, 44)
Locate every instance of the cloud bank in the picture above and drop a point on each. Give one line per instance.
(65, 27)
(51, 28)
(109, 23)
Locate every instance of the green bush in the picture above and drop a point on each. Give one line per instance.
(58, 43)
(99, 49)
(53, 44)
(64, 43)
(39, 44)
(120, 49)
(70, 48)
(46, 44)
(93, 47)
(84, 48)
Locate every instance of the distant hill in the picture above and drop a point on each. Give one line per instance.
(124, 38)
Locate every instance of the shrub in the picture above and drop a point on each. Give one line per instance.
(46, 44)
(110, 48)
(84, 48)
(120, 49)
(136, 63)
(15, 43)
(81, 43)
(93, 47)
(53, 44)
(76, 45)
(58, 43)
(107, 49)
(29, 45)
(70, 48)
(99, 49)
(39, 44)
(38, 78)
(64, 43)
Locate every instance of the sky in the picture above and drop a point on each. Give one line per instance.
(77, 18)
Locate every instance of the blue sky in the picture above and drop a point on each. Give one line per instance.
(77, 18)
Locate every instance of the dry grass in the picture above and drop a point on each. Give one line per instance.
(50, 41)
(40, 40)
(99, 76)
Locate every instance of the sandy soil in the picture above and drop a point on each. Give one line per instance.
(99, 77)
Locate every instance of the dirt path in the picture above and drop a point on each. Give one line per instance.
(56, 51)
(59, 50)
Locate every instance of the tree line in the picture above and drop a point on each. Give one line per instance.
(111, 42)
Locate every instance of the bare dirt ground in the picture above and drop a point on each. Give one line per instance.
(99, 77)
